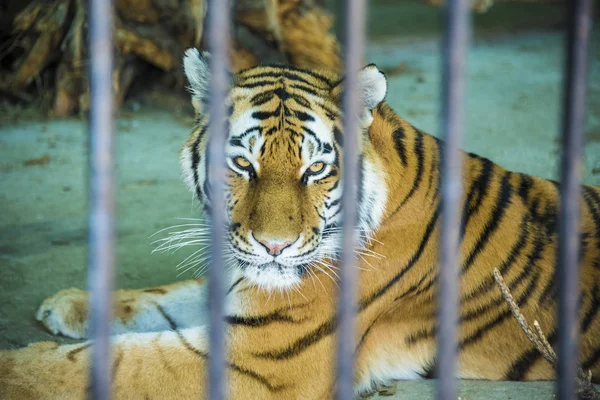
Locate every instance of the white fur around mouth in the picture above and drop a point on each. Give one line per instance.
(272, 275)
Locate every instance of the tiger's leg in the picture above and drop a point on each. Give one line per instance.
(166, 364)
(383, 355)
(172, 364)
(134, 310)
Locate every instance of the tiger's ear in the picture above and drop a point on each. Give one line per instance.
(372, 88)
(196, 70)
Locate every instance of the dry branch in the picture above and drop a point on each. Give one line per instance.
(585, 388)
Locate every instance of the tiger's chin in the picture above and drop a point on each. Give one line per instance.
(273, 276)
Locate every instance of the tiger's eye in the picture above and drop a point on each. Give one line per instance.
(316, 167)
(241, 162)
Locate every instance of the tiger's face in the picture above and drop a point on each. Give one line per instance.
(283, 150)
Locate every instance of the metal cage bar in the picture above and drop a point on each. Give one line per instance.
(102, 203)
(454, 55)
(354, 36)
(218, 44)
(573, 112)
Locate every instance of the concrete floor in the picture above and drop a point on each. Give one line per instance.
(472, 390)
(513, 102)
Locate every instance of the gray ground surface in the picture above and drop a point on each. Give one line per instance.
(513, 102)
(474, 390)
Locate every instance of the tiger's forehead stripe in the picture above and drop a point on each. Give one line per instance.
(275, 92)
(323, 80)
(296, 81)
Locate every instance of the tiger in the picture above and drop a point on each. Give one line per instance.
(283, 188)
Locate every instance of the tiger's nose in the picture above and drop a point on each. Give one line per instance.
(274, 248)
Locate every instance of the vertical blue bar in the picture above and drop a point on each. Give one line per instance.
(354, 36)
(455, 47)
(102, 204)
(218, 44)
(575, 83)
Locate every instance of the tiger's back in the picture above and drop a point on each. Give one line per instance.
(509, 222)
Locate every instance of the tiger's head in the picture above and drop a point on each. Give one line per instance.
(283, 150)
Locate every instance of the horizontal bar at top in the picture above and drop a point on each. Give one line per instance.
(102, 203)
(218, 31)
(575, 84)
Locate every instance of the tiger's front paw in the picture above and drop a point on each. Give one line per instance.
(65, 313)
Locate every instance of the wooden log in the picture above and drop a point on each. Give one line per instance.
(307, 39)
(140, 11)
(70, 78)
(50, 38)
(129, 41)
(125, 71)
(46, 27)
(305, 32)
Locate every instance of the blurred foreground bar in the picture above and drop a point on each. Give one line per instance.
(454, 57)
(101, 217)
(353, 34)
(218, 28)
(573, 112)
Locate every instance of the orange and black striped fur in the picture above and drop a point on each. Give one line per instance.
(283, 192)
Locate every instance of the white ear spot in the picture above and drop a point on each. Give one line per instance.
(373, 86)
(198, 75)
